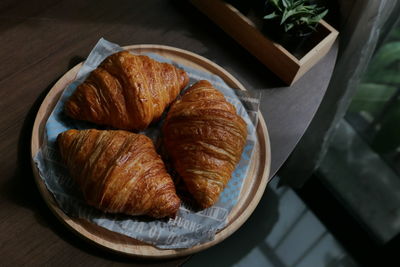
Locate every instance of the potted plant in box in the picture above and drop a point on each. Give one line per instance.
(247, 30)
(291, 22)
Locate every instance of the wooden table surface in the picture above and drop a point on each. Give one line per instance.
(41, 40)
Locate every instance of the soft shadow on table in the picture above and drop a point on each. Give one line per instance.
(246, 238)
(259, 77)
(181, 25)
(22, 190)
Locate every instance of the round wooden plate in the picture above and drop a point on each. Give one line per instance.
(252, 191)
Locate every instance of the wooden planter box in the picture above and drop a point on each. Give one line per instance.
(280, 61)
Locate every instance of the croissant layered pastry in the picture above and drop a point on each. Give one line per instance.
(204, 139)
(119, 172)
(126, 91)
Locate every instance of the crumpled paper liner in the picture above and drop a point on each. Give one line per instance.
(189, 227)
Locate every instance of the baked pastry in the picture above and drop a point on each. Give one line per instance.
(126, 92)
(204, 139)
(119, 172)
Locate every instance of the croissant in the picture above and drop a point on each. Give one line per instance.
(126, 92)
(119, 172)
(204, 139)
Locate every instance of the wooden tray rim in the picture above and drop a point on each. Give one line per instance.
(77, 228)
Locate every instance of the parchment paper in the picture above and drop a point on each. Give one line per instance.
(190, 227)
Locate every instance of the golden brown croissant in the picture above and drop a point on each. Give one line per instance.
(126, 92)
(119, 172)
(204, 138)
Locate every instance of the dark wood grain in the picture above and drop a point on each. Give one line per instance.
(41, 40)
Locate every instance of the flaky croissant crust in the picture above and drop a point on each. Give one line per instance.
(204, 138)
(126, 92)
(119, 172)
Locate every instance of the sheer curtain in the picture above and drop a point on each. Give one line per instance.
(364, 24)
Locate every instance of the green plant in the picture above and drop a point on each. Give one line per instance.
(377, 96)
(296, 16)
(381, 79)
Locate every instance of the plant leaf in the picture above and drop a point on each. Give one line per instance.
(288, 26)
(285, 3)
(275, 3)
(271, 16)
(297, 14)
(300, 14)
(317, 18)
(285, 15)
(297, 3)
(387, 55)
(371, 97)
(384, 77)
